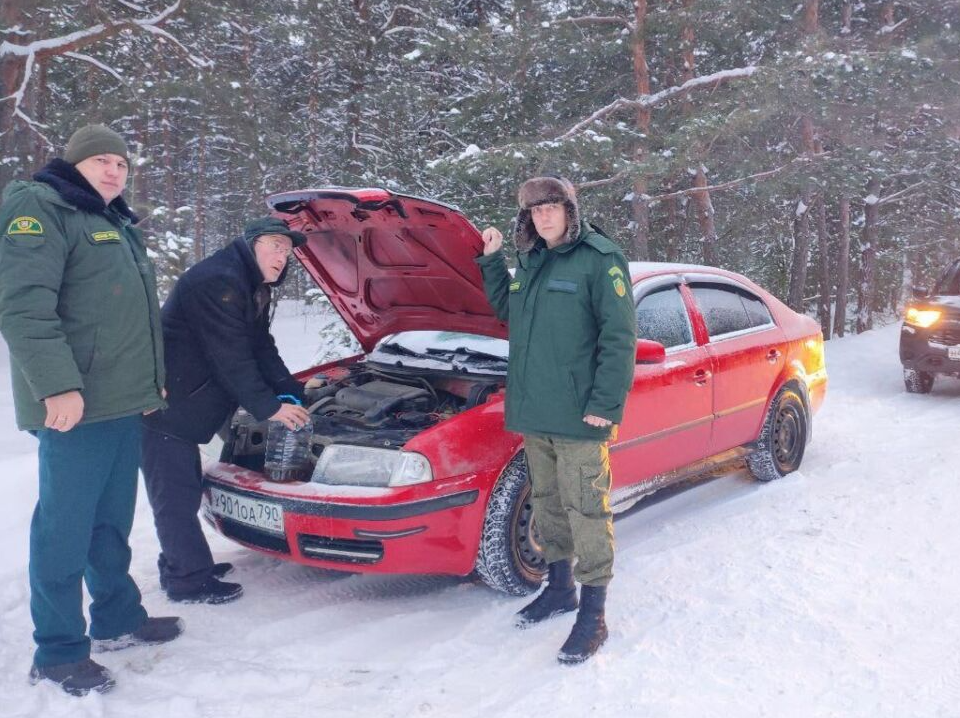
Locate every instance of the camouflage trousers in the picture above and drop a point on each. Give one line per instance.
(571, 503)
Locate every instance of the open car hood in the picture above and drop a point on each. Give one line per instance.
(391, 262)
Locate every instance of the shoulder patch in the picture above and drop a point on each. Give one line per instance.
(615, 271)
(619, 287)
(25, 225)
(111, 236)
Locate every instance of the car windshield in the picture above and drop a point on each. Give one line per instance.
(456, 351)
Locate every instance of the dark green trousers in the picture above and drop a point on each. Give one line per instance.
(571, 503)
(80, 532)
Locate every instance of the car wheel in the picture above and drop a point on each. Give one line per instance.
(917, 382)
(510, 558)
(783, 438)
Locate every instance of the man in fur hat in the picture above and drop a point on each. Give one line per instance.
(220, 355)
(79, 313)
(572, 355)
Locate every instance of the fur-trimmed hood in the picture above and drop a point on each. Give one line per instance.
(70, 184)
(545, 190)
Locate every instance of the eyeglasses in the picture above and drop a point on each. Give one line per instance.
(275, 247)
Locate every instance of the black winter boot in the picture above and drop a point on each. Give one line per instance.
(153, 632)
(213, 591)
(560, 596)
(590, 630)
(77, 679)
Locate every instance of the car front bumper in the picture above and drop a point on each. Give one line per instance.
(928, 350)
(432, 529)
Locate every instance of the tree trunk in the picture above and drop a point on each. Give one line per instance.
(641, 74)
(846, 19)
(12, 70)
(801, 251)
(674, 230)
(843, 268)
(200, 209)
(823, 247)
(871, 234)
(801, 225)
(708, 229)
(688, 60)
(811, 16)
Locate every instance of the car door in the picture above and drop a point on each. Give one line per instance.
(666, 422)
(748, 352)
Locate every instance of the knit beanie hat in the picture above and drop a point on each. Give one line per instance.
(271, 225)
(94, 140)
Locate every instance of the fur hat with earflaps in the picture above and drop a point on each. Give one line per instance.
(545, 190)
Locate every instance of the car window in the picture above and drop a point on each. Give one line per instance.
(662, 317)
(728, 309)
(757, 312)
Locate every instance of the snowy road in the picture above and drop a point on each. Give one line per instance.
(833, 592)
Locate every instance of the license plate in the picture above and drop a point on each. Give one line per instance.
(954, 353)
(264, 515)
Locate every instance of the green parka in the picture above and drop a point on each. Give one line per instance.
(572, 334)
(78, 303)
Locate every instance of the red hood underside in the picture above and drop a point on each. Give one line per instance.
(390, 262)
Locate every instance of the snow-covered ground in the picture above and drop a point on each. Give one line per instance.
(833, 592)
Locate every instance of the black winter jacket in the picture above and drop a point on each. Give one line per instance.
(218, 348)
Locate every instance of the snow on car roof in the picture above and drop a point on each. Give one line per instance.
(638, 269)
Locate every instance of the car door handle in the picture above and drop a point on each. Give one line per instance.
(701, 377)
(773, 355)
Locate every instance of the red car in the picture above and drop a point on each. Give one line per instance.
(407, 467)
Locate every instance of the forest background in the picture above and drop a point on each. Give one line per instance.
(812, 145)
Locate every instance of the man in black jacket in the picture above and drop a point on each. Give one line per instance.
(219, 355)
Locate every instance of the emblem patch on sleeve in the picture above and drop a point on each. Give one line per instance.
(619, 287)
(615, 272)
(25, 225)
(106, 236)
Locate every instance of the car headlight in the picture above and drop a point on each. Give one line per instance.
(922, 317)
(345, 465)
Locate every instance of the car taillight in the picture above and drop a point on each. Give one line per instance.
(922, 317)
(814, 349)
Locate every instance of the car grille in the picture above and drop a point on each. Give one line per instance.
(252, 536)
(340, 550)
(947, 332)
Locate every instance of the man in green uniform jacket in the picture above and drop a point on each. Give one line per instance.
(79, 313)
(572, 355)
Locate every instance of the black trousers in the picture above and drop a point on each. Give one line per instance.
(173, 475)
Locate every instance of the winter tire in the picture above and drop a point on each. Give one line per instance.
(510, 559)
(917, 382)
(783, 437)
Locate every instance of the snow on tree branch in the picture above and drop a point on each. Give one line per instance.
(393, 16)
(96, 63)
(68, 45)
(596, 20)
(901, 195)
(741, 180)
(658, 98)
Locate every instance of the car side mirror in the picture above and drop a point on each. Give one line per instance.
(918, 292)
(650, 352)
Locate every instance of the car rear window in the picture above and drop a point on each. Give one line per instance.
(727, 309)
(662, 317)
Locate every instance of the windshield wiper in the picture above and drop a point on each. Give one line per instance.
(467, 351)
(396, 348)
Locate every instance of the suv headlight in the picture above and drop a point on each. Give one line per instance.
(922, 317)
(346, 465)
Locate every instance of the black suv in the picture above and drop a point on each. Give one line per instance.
(930, 337)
